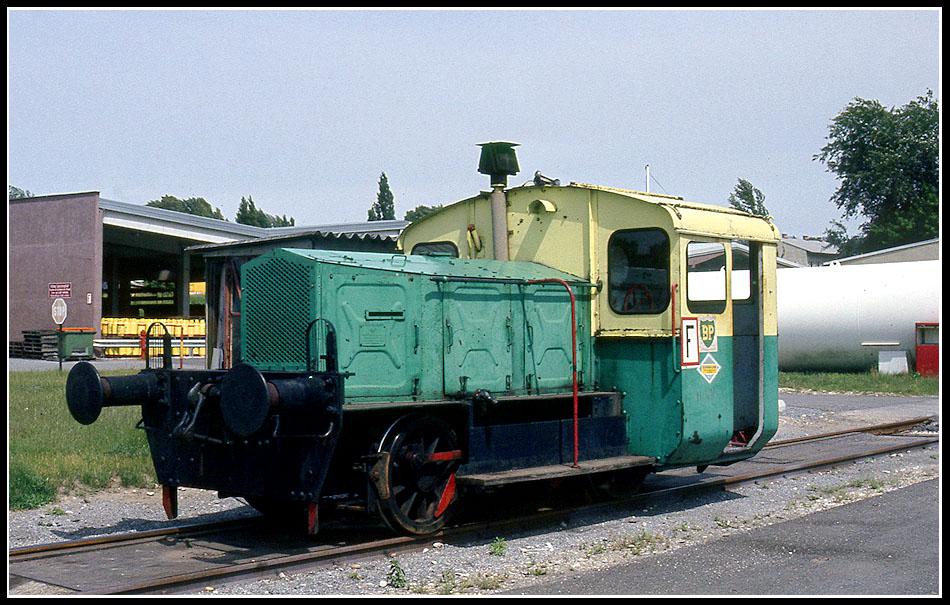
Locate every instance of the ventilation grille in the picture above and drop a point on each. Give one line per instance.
(279, 302)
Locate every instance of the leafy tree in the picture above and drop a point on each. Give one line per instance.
(747, 198)
(249, 214)
(16, 193)
(193, 205)
(421, 211)
(383, 209)
(837, 235)
(887, 162)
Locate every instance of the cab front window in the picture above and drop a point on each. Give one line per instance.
(638, 276)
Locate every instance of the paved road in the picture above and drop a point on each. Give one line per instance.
(839, 403)
(884, 545)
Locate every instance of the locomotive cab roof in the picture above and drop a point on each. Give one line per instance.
(682, 216)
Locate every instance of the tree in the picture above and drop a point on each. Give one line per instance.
(383, 209)
(16, 193)
(421, 211)
(747, 198)
(193, 205)
(249, 214)
(887, 164)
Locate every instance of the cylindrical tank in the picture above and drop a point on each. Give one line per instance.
(840, 317)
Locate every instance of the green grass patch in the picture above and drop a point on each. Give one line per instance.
(51, 453)
(498, 547)
(859, 382)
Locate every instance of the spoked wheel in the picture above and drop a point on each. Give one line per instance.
(423, 457)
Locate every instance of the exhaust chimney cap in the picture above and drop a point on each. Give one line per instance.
(498, 160)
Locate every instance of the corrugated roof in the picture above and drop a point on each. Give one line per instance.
(812, 245)
(390, 229)
(181, 218)
(302, 232)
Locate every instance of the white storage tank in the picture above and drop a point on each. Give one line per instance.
(841, 317)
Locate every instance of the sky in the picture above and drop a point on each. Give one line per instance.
(304, 110)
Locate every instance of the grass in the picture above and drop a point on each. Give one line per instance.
(639, 543)
(498, 547)
(50, 453)
(860, 382)
(844, 491)
(396, 577)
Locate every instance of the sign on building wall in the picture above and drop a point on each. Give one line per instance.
(58, 311)
(61, 289)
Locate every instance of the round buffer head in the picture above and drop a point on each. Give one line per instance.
(84, 393)
(244, 400)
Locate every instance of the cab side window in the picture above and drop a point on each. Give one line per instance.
(638, 274)
(706, 277)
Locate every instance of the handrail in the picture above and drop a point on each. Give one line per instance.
(676, 367)
(555, 280)
(331, 355)
(511, 280)
(166, 346)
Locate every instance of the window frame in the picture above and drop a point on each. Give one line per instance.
(709, 307)
(454, 248)
(667, 265)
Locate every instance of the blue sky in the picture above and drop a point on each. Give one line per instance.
(303, 110)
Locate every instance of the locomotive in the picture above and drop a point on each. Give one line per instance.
(526, 333)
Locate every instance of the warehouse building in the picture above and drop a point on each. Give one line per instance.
(114, 259)
(918, 251)
(806, 251)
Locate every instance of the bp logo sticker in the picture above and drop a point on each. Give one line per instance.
(709, 368)
(707, 335)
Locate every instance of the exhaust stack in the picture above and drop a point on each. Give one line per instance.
(498, 160)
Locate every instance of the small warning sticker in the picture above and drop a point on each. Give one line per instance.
(709, 368)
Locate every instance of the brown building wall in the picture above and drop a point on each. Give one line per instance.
(54, 238)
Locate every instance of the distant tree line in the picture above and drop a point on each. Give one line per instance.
(384, 208)
(16, 193)
(248, 213)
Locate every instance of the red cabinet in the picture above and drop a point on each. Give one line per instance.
(928, 348)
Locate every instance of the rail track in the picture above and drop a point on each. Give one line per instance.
(24, 562)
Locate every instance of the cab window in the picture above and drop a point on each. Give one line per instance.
(706, 277)
(638, 276)
(436, 249)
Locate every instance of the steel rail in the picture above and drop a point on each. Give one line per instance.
(106, 541)
(407, 542)
(880, 429)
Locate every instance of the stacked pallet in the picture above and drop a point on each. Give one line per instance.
(41, 344)
(16, 348)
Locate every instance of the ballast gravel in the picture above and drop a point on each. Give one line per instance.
(510, 561)
(598, 541)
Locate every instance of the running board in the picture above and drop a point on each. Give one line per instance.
(555, 471)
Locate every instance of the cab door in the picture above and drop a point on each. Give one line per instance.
(747, 336)
(708, 405)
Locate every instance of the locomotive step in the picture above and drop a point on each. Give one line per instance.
(554, 471)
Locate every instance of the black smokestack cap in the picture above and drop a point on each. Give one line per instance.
(498, 160)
